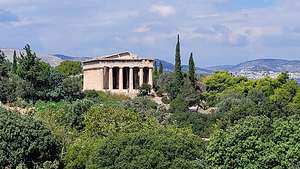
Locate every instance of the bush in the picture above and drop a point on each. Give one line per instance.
(91, 94)
(72, 88)
(144, 90)
(162, 147)
(146, 108)
(103, 120)
(74, 113)
(257, 142)
(25, 141)
(178, 105)
(69, 68)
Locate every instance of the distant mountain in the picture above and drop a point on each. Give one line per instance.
(258, 65)
(53, 60)
(75, 58)
(275, 65)
(220, 67)
(169, 67)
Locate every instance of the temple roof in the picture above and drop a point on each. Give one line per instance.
(122, 55)
(126, 56)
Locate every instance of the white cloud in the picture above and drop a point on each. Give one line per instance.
(142, 29)
(163, 10)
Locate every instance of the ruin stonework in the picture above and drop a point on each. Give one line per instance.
(121, 73)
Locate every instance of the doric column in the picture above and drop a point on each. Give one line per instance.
(101, 74)
(120, 78)
(110, 78)
(150, 81)
(141, 76)
(130, 78)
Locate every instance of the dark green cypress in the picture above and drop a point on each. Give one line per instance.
(178, 73)
(192, 73)
(14, 66)
(161, 68)
(155, 73)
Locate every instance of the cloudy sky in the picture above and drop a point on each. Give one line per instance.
(216, 31)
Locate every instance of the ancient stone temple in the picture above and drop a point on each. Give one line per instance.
(121, 73)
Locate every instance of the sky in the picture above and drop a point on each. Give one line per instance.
(218, 32)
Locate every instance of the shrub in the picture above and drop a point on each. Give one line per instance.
(103, 120)
(91, 93)
(72, 88)
(146, 108)
(144, 90)
(162, 147)
(75, 111)
(26, 141)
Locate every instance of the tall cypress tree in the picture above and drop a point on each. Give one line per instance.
(161, 68)
(3, 65)
(155, 73)
(192, 76)
(178, 72)
(14, 66)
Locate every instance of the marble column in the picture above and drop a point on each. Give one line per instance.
(120, 78)
(141, 74)
(131, 78)
(150, 81)
(110, 78)
(101, 74)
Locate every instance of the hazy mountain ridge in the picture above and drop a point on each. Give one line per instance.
(258, 65)
(275, 65)
(169, 67)
(52, 59)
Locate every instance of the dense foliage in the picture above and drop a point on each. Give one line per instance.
(25, 141)
(150, 148)
(31, 79)
(69, 68)
(217, 121)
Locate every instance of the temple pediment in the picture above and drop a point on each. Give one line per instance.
(120, 56)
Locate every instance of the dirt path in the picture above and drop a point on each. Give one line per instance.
(17, 109)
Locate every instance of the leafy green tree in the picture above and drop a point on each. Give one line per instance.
(192, 74)
(241, 146)
(25, 141)
(35, 72)
(161, 68)
(189, 93)
(74, 113)
(284, 144)
(104, 120)
(283, 77)
(178, 105)
(163, 147)
(72, 88)
(147, 109)
(164, 81)
(69, 68)
(173, 89)
(100, 122)
(257, 142)
(281, 98)
(217, 83)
